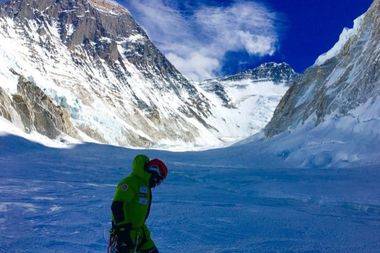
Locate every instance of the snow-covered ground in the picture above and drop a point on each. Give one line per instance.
(253, 103)
(57, 200)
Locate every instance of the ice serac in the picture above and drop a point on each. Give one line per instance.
(92, 59)
(245, 102)
(342, 82)
(31, 109)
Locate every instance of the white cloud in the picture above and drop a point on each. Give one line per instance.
(195, 65)
(197, 43)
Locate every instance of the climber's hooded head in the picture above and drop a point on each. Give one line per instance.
(151, 172)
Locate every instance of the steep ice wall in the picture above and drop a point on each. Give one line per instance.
(329, 117)
(340, 81)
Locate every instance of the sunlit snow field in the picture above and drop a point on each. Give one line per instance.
(57, 200)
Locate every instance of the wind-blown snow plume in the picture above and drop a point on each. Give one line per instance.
(196, 43)
(112, 85)
(90, 58)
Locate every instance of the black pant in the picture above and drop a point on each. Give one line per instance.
(123, 249)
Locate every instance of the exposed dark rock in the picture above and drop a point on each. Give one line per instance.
(48, 118)
(217, 87)
(36, 111)
(276, 72)
(340, 84)
(5, 103)
(103, 40)
(91, 133)
(279, 73)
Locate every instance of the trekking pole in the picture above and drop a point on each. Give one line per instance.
(137, 243)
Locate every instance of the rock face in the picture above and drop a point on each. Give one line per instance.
(342, 80)
(5, 105)
(31, 107)
(278, 73)
(245, 102)
(330, 116)
(91, 58)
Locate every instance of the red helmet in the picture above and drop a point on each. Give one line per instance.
(158, 166)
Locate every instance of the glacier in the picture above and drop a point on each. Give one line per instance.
(103, 69)
(94, 61)
(58, 200)
(307, 183)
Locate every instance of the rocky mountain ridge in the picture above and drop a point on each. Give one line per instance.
(330, 117)
(276, 73)
(272, 71)
(95, 61)
(343, 79)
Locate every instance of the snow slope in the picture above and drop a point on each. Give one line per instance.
(330, 117)
(338, 142)
(58, 200)
(251, 107)
(103, 69)
(95, 62)
(244, 103)
(344, 37)
(286, 193)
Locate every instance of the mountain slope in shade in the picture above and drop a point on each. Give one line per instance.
(330, 117)
(343, 79)
(245, 102)
(93, 60)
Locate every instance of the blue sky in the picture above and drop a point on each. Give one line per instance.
(206, 38)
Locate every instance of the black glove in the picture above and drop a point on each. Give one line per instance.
(124, 240)
(153, 250)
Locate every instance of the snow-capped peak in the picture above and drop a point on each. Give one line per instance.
(116, 85)
(270, 71)
(248, 99)
(108, 6)
(344, 37)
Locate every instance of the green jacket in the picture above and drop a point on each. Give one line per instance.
(133, 196)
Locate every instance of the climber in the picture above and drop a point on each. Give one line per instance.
(131, 207)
